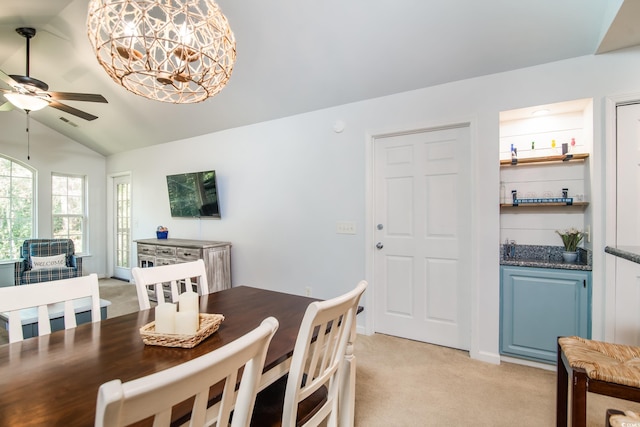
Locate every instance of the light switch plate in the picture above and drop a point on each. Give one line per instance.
(346, 227)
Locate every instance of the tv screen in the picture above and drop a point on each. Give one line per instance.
(193, 195)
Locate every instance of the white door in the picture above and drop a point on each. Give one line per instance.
(122, 227)
(627, 293)
(422, 216)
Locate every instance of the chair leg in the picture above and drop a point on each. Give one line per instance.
(578, 399)
(562, 391)
(347, 393)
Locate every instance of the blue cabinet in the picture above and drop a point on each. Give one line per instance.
(539, 304)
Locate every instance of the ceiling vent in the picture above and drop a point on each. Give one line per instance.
(69, 122)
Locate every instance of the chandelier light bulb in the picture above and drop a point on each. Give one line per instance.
(176, 51)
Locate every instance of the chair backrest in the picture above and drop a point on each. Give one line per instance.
(174, 275)
(318, 363)
(121, 404)
(13, 299)
(46, 247)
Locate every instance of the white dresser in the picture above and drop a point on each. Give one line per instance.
(216, 257)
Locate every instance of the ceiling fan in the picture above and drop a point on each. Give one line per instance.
(31, 94)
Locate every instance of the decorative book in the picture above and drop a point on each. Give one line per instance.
(563, 200)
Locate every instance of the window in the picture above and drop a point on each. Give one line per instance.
(69, 209)
(123, 223)
(17, 208)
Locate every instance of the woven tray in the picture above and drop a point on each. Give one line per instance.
(209, 323)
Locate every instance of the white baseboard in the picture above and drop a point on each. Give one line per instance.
(531, 363)
(484, 356)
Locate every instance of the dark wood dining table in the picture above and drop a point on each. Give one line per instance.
(53, 380)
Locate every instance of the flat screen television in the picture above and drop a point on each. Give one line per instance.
(193, 195)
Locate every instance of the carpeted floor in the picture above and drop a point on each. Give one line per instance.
(407, 383)
(122, 295)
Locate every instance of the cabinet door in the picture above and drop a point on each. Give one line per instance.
(145, 261)
(218, 264)
(538, 305)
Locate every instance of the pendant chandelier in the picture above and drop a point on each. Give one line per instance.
(177, 51)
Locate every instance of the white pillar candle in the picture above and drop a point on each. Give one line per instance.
(188, 301)
(165, 318)
(187, 322)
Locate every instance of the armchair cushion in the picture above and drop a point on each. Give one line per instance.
(38, 262)
(47, 275)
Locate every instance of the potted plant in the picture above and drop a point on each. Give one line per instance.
(570, 238)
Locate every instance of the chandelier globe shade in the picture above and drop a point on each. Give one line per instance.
(175, 51)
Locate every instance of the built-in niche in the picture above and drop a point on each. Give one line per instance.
(545, 153)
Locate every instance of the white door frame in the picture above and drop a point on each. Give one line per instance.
(610, 215)
(369, 296)
(110, 221)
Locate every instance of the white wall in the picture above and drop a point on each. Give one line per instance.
(285, 183)
(52, 152)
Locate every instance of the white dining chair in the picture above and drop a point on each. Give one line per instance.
(14, 299)
(189, 274)
(309, 394)
(121, 404)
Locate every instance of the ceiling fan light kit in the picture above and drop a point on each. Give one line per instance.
(176, 51)
(26, 102)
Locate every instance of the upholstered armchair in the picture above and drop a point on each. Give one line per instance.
(43, 260)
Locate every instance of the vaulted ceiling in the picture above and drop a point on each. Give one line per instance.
(296, 56)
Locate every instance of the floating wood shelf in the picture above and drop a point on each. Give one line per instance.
(580, 205)
(558, 158)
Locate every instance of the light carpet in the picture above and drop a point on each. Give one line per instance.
(405, 383)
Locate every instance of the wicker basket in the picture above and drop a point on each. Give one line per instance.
(209, 323)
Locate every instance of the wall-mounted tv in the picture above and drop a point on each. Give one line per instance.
(193, 195)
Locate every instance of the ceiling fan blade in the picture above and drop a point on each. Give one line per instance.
(8, 81)
(7, 106)
(74, 111)
(69, 96)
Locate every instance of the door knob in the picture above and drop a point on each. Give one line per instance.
(379, 245)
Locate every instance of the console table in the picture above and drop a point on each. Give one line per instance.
(216, 257)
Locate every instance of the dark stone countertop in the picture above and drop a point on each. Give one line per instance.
(631, 253)
(546, 264)
(541, 256)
